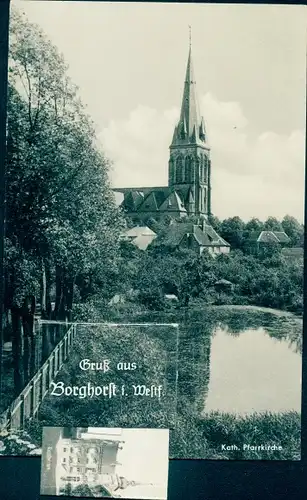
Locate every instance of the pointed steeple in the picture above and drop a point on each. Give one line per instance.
(190, 129)
(190, 151)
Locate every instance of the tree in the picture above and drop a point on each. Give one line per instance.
(176, 271)
(82, 490)
(61, 217)
(272, 224)
(67, 489)
(254, 225)
(232, 230)
(215, 223)
(294, 230)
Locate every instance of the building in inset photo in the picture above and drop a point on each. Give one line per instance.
(105, 462)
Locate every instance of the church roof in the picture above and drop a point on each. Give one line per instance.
(133, 199)
(150, 203)
(191, 126)
(173, 203)
(148, 199)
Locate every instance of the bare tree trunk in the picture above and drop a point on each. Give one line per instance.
(29, 358)
(69, 292)
(48, 339)
(48, 290)
(43, 291)
(59, 300)
(17, 348)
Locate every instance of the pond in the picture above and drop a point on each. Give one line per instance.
(241, 361)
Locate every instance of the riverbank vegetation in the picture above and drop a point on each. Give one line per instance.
(267, 279)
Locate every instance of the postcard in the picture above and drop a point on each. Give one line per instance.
(154, 227)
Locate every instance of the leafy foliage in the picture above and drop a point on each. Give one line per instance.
(18, 443)
(62, 224)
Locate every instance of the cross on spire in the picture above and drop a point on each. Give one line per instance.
(190, 36)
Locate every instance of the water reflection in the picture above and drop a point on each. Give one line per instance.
(240, 362)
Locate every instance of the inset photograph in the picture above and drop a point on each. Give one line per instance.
(105, 462)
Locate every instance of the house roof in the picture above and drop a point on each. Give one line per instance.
(140, 236)
(282, 236)
(139, 231)
(215, 237)
(206, 237)
(143, 240)
(223, 282)
(269, 237)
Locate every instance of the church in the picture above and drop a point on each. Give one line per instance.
(188, 193)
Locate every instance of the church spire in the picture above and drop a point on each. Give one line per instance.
(189, 168)
(190, 129)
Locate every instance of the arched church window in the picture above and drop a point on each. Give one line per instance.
(201, 174)
(205, 168)
(171, 170)
(197, 168)
(192, 171)
(179, 169)
(188, 164)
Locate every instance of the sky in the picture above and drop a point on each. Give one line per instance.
(129, 61)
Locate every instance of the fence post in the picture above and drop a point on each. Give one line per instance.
(61, 353)
(56, 360)
(50, 363)
(22, 411)
(9, 418)
(32, 399)
(42, 385)
(65, 348)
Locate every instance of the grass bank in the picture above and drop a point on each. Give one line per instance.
(225, 436)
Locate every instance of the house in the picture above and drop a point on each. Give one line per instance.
(196, 237)
(87, 460)
(264, 239)
(140, 236)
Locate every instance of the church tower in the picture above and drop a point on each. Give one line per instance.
(189, 164)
